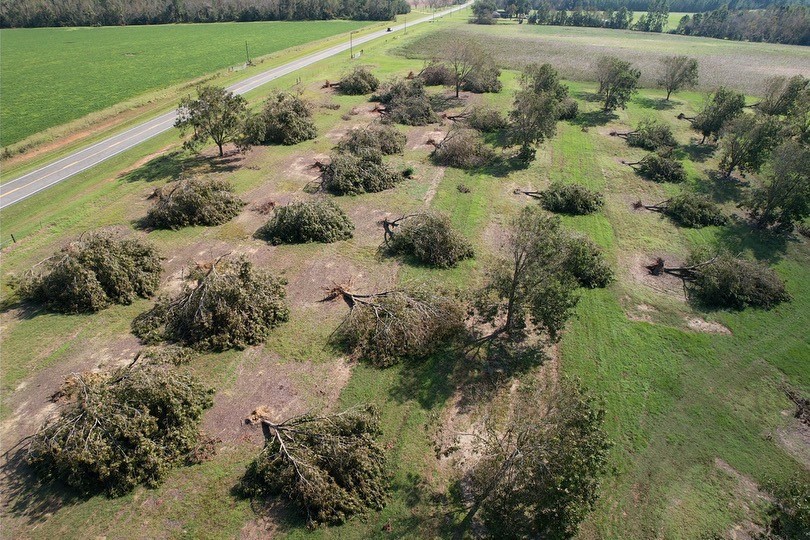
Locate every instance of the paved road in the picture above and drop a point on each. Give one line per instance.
(23, 187)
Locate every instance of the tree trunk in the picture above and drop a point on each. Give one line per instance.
(669, 92)
(220, 149)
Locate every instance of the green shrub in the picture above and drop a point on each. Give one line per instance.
(380, 137)
(197, 201)
(584, 260)
(734, 283)
(406, 102)
(661, 169)
(93, 272)
(483, 80)
(692, 210)
(360, 81)
(573, 199)
(386, 328)
(286, 119)
(486, 120)
(789, 510)
(436, 74)
(568, 109)
(651, 135)
(121, 429)
(330, 467)
(232, 306)
(302, 222)
(464, 149)
(348, 174)
(430, 239)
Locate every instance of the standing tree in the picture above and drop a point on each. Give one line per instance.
(746, 142)
(539, 476)
(678, 72)
(722, 106)
(532, 120)
(618, 81)
(463, 58)
(216, 114)
(656, 17)
(483, 11)
(784, 197)
(331, 466)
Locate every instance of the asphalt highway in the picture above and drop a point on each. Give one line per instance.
(33, 182)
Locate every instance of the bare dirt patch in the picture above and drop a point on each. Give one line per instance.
(708, 327)
(641, 313)
(437, 173)
(418, 137)
(795, 439)
(635, 267)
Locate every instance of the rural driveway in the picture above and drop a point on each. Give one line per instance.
(23, 187)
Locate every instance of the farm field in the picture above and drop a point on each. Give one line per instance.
(694, 399)
(91, 69)
(737, 64)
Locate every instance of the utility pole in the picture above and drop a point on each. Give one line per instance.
(351, 44)
(247, 53)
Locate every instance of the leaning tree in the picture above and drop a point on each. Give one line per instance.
(99, 269)
(216, 114)
(720, 107)
(231, 304)
(781, 94)
(746, 143)
(121, 428)
(539, 474)
(330, 467)
(386, 327)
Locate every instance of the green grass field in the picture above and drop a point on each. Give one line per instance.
(697, 418)
(90, 69)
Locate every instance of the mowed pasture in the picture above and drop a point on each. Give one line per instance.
(694, 399)
(736, 64)
(51, 76)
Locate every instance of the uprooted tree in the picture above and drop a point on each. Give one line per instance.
(539, 475)
(358, 82)
(688, 210)
(285, 119)
(486, 119)
(725, 281)
(406, 102)
(387, 327)
(649, 134)
(719, 108)
(427, 237)
(232, 304)
(122, 428)
(376, 137)
(462, 148)
(574, 199)
(331, 467)
(197, 201)
(783, 198)
(310, 221)
(659, 168)
(350, 174)
(93, 272)
(216, 114)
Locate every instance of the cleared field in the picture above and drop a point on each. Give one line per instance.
(699, 419)
(51, 76)
(736, 64)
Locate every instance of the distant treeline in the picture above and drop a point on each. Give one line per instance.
(785, 24)
(37, 13)
(690, 6)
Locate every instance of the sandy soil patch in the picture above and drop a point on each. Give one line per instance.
(634, 265)
(709, 327)
(418, 137)
(795, 439)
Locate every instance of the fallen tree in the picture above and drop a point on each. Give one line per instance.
(387, 327)
(285, 119)
(360, 81)
(486, 119)
(574, 199)
(725, 281)
(231, 305)
(649, 135)
(688, 210)
(350, 174)
(331, 467)
(659, 168)
(429, 238)
(310, 221)
(122, 428)
(381, 138)
(198, 201)
(462, 148)
(93, 272)
(406, 102)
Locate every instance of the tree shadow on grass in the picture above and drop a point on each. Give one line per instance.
(175, 165)
(722, 188)
(591, 97)
(429, 382)
(27, 495)
(594, 118)
(658, 104)
(695, 152)
(739, 236)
